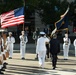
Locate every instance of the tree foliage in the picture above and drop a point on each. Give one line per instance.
(73, 11)
(52, 10)
(49, 10)
(7, 5)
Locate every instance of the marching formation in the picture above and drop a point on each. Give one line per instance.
(45, 46)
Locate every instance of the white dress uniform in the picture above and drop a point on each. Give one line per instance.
(23, 41)
(41, 50)
(66, 45)
(1, 53)
(10, 45)
(74, 43)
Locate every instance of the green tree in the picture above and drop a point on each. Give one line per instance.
(7, 5)
(52, 10)
(49, 10)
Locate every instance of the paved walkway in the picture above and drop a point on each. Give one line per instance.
(29, 66)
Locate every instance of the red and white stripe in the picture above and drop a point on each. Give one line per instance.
(8, 19)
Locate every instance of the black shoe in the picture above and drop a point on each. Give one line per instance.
(47, 57)
(10, 57)
(65, 59)
(53, 68)
(5, 63)
(36, 58)
(23, 58)
(2, 69)
(1, 72)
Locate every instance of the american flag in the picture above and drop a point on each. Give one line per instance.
(12, 18)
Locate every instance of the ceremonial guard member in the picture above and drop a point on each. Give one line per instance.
(23, 41)
(41, 49)
(2, 56)
(74, 43)
(47, 46)
(10, 44)
(35, 37)
(54, 49)
(66, 45)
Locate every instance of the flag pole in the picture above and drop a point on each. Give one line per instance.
(24, 16)
(67, 31)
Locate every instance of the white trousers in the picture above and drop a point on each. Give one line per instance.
(22, 50)
(41, 58)
(10, 48)
(11, 52)
(1, 60)
(4, 54)
(65, 51)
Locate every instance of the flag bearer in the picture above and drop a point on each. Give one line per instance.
(10, 44)
(23, 41)
(66, 45)
(54, 49)
(41, 49)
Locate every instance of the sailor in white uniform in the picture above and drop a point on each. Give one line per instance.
(66, 45)
(1, 54)
(74, 43)
(41, 49)
(10, 44)
(23, 41)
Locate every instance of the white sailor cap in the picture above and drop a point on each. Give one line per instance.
(10, 33)
(42, 33)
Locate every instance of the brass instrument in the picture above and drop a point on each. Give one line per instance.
(66, 42)
(22, 39)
